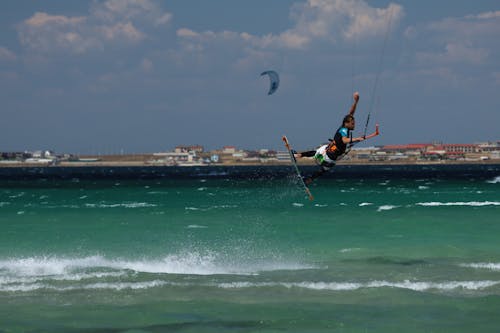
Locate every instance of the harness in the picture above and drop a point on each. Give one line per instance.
(336, 149)
(328, 154)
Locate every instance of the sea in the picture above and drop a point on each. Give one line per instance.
(389, 250)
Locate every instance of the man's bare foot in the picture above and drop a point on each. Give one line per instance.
(295, 154)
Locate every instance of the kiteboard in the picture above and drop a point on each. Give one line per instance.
(294, 163)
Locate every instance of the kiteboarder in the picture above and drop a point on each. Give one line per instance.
(327, 155)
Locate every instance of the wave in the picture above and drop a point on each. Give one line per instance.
(346, 286)
(205, 209)
(470, 203)
(75, 277)
(98, 272)
(483, 265)
(93, 286)
(496, 180)
(124, 205)
(420, 286)
(386, 207)
(190, 263)
(349, 250)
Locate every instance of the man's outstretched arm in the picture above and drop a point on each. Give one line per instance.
(353, 106)
(348, 140)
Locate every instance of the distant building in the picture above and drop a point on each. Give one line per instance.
(182, 155)
(489, 146)
(15, 155)
(458, 148)
(364, 153)
(229, 150)
(412, 147)
(283, 156)
(44, 154)
(185, 149)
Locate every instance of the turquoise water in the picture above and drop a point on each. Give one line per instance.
(228, 255)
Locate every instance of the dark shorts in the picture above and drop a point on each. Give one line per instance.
(327, 166)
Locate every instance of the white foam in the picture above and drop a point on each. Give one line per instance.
(126, 285)
(205, 209)
(195, 263)
(470, 203)
(483, 265)
(346, 286)
(43, 266)
(94, 286)
(157, 192)
(423, 187)
(421, 286)
(386, 207)
(365, 204)
(296, 204)
(494, 181)
(196, 226)
(350, 250)
(124, 205)
(11, 280)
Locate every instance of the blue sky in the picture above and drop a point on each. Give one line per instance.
(145, 75)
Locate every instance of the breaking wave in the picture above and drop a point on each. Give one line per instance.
(470, 203)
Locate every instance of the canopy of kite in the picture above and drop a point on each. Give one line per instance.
(274, 81)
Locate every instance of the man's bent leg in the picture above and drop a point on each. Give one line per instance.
(325, 167)
(309, 153)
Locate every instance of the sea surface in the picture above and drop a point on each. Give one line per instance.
(419, 253)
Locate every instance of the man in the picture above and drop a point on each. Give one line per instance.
(327, 155)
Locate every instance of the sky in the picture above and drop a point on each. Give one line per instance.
(131, 76)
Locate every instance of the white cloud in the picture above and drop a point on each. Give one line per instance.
(485, 16)
(454, 53)
(314, 20)
(352, 19)
(42, 19)
(130, 10)
(44, 32)
(118, 21)
(164, 19)
(471, 39)
(187, 33)
(124, 31)
(6, 54)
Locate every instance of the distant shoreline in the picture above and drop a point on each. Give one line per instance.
(110, 163)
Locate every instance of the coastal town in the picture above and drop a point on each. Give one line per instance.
(196, 155)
